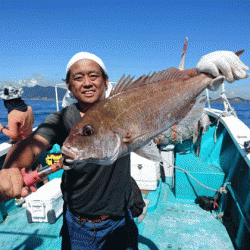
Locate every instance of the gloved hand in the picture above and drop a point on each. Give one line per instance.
(226, 63)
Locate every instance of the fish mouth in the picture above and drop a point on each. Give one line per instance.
(69, 154)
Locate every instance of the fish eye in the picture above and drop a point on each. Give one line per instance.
(88, 130)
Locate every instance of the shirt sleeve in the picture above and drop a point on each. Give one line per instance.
(56, 127)
(50, 128)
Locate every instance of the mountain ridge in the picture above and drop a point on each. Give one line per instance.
(233, 100)
(43, 93)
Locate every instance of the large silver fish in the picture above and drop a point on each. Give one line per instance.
(134, 114)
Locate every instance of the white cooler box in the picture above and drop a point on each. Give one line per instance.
(46, 204)
(145, 172)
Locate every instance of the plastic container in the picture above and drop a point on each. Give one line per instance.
(46, 204)
(145, 172)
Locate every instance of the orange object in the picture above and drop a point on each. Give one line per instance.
(175, 134)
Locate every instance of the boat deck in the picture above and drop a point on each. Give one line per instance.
(17, 234)
(174, 224)
(168, 224)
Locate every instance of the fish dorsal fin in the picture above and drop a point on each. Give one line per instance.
(128, 83)
(120, 85)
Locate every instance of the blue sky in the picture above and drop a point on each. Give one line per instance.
(133, 37)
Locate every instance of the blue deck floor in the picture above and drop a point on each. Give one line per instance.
(173, 224)
(169, 224)
(17, 234)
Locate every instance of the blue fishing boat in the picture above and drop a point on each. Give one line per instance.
(197, 198)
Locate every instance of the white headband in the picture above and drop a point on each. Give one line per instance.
(85, 55)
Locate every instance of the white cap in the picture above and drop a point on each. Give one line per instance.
(85, 55)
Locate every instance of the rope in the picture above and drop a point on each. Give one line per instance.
(223, 114)
(220, 190)
(195, 179)
(227, 104)
(243, 213)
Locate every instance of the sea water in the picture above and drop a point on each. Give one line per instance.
(42, 109)
(242, 110)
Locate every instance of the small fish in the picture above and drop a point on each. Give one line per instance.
(135, 113)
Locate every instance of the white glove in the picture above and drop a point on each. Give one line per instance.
(227, 62)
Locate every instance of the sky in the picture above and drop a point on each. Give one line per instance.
(39, 37)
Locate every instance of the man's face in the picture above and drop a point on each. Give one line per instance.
(86, 81)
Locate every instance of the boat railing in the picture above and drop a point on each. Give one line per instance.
(56, 92)
(5, 146)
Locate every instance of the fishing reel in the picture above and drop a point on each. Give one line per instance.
(207, 203)
(247, 146)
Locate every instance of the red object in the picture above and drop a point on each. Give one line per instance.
(30, 179)
(185, 47)
(216, 204)
(239, 52)
(56, 166)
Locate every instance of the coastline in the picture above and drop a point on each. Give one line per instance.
(219, 100)
(40, 99)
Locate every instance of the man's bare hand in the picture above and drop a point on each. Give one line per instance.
(11, 184)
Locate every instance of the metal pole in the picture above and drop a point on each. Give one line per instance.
(57, 105)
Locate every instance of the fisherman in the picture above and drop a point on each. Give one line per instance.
(20, 119)
(20, 115)
(97, 197)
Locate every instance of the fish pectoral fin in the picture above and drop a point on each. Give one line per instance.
(150, 151)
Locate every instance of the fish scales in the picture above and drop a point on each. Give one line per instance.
(128, 120)
(153, 112)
